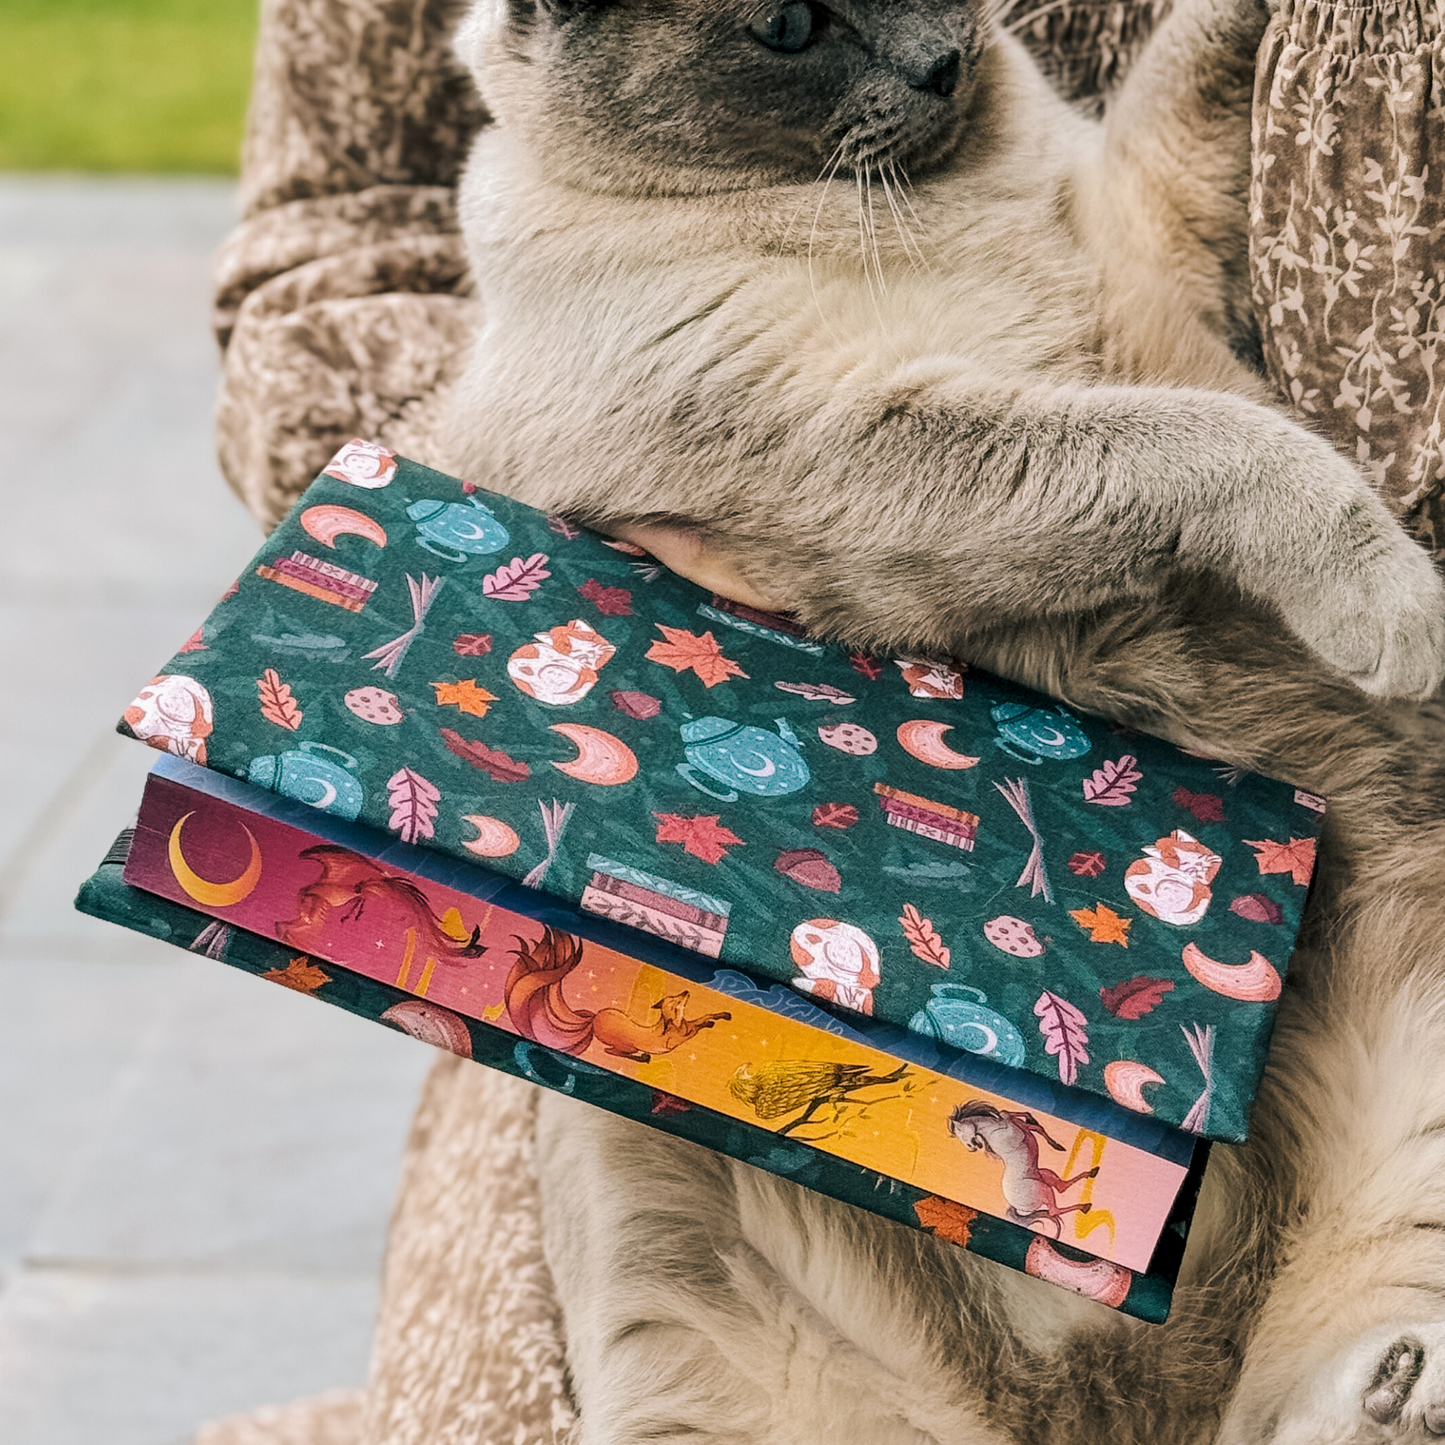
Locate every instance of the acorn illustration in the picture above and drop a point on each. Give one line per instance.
(810, 868)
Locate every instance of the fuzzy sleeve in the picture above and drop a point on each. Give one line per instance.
(1347, 239)
(343, 300)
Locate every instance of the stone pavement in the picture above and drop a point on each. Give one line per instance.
(195, 1171)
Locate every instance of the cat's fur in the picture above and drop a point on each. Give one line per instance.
(1005, 417)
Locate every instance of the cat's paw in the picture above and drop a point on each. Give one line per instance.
(1376, 611)
(1389, 1389)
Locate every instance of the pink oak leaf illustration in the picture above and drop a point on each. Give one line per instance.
(1066, 1034)
(1112, 784)
(518, 580)
(413, 805)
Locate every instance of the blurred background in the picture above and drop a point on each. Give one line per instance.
(195, 1171)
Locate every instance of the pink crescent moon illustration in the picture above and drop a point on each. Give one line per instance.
(1254, 982)
(1094, 1279)
(923, 740)
(439, 1027)
(601, 758)
(1126, 1081)
(494, 838)
(213, 895)
(327, 523)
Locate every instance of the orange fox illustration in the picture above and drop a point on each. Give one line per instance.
(539, 1010)
(349, 882)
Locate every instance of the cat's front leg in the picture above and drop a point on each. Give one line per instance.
(1177, 160)
(937, 520)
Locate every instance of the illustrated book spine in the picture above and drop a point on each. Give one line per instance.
(1144, 1295)
(462, 955)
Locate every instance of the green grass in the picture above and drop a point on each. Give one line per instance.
(124, 85)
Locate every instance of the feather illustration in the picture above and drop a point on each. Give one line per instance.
(923, 939)
(1136, 996)
(413, 805)
(277, 704)
(1066, 1034)
(1111, 785)
(503, 769)
(518, 580)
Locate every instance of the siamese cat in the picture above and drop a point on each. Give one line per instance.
(839, 305)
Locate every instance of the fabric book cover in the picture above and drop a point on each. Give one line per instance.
(896, 836)
(1146, 1296)
(480, 946)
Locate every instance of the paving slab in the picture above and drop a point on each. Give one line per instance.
(138, 1359)
(195, 1169)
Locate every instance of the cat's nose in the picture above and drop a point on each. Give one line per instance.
(941, 77)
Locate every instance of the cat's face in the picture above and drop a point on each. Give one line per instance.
(728, 92)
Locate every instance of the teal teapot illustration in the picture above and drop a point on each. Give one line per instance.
(457, 530)
(1032, 734)
(967, 1025)
(308, 777)
(744, 759)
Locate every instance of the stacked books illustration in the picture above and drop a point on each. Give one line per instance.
(904, 933)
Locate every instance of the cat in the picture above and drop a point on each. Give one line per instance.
(1007, 392)
(891, 338)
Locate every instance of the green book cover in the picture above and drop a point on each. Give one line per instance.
(901, 837)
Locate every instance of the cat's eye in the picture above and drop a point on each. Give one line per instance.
(790, 28)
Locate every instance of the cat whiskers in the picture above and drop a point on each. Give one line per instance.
(831, 172)
(901, 184)
(833, 162)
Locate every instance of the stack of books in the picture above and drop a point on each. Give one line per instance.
(902, 932)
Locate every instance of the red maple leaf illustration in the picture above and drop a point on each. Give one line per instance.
(196, 642)
(683, 651)
(1297, 857)
(1207, 807)
(1087, 865)
(1135, 997)
(609, 601)
(664, 1103)
(704, 838)
(472, 644)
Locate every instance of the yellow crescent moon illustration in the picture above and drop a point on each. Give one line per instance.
(601, 758)
(923, 740)
(327, 523)
(494, 838)
(214, 895)
(1126, 1081)
(1254, 982)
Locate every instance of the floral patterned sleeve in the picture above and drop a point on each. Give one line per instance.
(1348, 236)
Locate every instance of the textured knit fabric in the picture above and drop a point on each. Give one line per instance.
(1348, 236)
